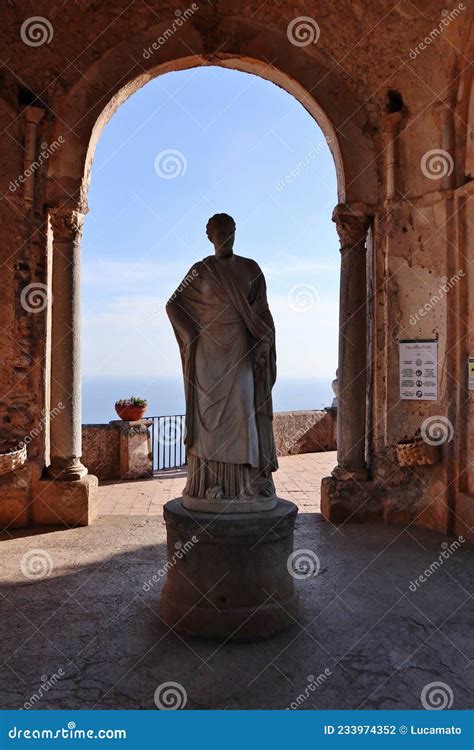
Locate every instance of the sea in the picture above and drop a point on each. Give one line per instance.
(165, 395)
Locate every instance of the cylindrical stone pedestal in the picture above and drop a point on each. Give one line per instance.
(227, 574)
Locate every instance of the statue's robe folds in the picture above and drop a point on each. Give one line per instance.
(229, 414)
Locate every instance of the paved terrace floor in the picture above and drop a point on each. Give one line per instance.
(298, 479)
(77, 610)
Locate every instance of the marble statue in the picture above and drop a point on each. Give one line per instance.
(335, 390)
(226, 337)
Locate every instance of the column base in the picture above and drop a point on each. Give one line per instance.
(359, 474)
(15, 496)
(66, 469)
(344, 500)
(65, 503)
(227, 574)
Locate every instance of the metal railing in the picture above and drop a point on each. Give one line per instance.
(167, 441)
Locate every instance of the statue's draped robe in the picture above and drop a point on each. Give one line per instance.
(229, 431)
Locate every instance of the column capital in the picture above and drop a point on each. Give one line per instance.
(391, 122)
(33, 114)
(352, 224)
(67, 223)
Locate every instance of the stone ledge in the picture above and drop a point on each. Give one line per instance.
(239, 528)
(396, 505)
(118, 450)
(308, 431)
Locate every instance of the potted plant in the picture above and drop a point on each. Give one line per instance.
(131, 409)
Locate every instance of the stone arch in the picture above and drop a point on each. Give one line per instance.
(81, 114)
(84, 109)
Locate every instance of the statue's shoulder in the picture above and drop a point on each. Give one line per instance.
(251, 264)
(198, 267)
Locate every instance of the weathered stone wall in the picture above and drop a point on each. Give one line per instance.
(118, 450)
(304, 431)
(101, 450)
(295, 432)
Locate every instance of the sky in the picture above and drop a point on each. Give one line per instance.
(187, 145)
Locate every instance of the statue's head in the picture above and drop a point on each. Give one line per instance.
(220, 230)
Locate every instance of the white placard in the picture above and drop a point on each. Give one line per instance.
(419, 370)
(470, 364)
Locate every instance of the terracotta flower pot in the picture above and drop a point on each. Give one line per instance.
(130, 413)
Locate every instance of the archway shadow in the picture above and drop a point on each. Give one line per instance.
(95, 618)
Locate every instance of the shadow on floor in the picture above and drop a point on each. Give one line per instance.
(366, 624)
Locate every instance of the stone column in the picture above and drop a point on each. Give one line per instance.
(32, 115)
(65, 428)
(352, 229)
(444, 113)
(391, 125)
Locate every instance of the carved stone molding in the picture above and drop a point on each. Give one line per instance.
(66, 468)
(351, 226)
(67, 224)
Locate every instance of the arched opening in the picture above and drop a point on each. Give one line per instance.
(352, 222)
(234, 142)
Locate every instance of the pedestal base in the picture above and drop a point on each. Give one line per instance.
(349, 500)
(15, 496)
(58, 503)
(228, 505)
(227, 574)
